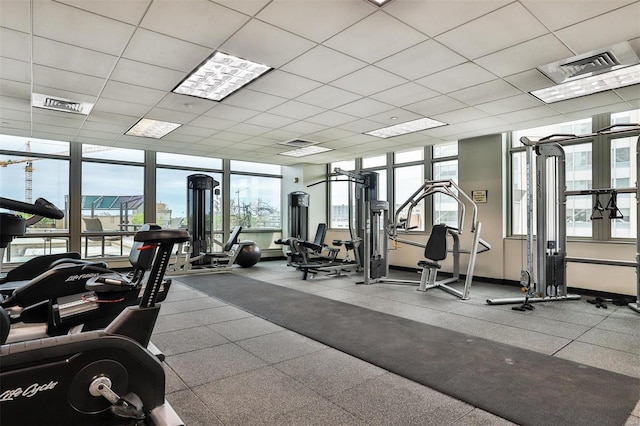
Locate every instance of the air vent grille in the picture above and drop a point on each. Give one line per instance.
(39, 100)
(592, 64)
(298, 143)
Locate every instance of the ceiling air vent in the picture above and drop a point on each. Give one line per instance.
(60, 104)
(298, 143)
(591, 63)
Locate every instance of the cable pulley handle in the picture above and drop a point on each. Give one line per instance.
(612, 206)
(40, 207)
(596, 213)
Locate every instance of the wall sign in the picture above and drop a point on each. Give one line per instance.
(479, 196)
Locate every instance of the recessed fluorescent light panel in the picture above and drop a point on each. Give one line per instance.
(586, 86)
(219, 76)
(148, 128)
(407, 127)
(303, 152)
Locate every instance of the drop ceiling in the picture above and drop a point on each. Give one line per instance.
(341, 68)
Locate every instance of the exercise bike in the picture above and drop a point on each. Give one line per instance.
(96, 377)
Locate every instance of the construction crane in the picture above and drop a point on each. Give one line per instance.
(28, 168)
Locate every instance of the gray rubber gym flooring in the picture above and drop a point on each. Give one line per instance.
(226, 366)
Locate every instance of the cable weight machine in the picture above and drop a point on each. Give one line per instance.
(549, 282)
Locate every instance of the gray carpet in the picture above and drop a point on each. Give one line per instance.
(525, 387)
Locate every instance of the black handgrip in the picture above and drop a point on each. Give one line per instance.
(40, 207)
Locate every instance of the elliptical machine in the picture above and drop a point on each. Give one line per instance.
(96, 377)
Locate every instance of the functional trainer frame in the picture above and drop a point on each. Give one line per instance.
(550, 265)
(449, 188)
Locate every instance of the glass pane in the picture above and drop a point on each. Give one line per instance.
(112, 202)
(409, 156)
(445, 208)
(40, 146)
(626, 117)
(170, 159)
(255, 202)
(578, 127)
(407, 181)
(623, 173)
(579, 166)
(344, 165)
(339, 204)
(26, 179)
(378, 161)
(171, 198)
(518, 194)
(447, 149)
(112, 153)
(245, 166)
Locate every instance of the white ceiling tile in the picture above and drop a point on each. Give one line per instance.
(198, 132)
(483, 123)
(323, 64)
(629, 93)
(436, 105)
(248, 129)
(457, 77)
(514, 103)
(587, 102)
(301, 128)
(281, 135)
(295, 109)
(250, 99)
(170, 115)
(395, 116)
(230, 137)
(163, 51)
(604, 30)
(361, 126)
(364, 107)
(534, 113)
(130, 93)
(230, 112)
(331, 118)
(497, 30)
(68, 81)
(96, 126)
(99, 134)
(269, 120)
(368, 81)
(460, 115)
(129, 11)
(528, 55)
(433, 17)
(141, 74)
(15, 89)
(328, 97)
(405, 94)
(16, 15)
(420, 60)
(78, 97)
(248, 7)
(71, 58)
(98, 33)
(280, 83)
(197, 21)
(15, 104)
(485, 92)
(276, 46)
(10, 69)
(529, 80)
(15, 45)
(304, 16)
(332, 134)
(560, 14)
(602, 109)
(57, 118)
(110, 118)
(183, 103)
(375, 37)
(212, 123)
(119, 107)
